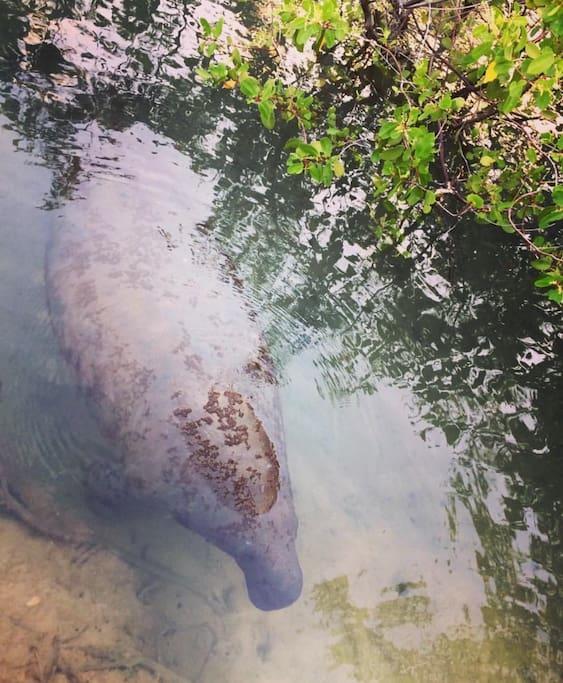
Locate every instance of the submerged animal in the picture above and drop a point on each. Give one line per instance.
(172, 359)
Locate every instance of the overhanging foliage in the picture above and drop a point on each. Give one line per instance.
(444, 106)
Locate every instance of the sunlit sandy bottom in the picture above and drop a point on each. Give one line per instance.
(67, 614)
(70, 614)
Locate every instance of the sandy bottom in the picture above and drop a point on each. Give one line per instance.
(152, 602)
(79, 615)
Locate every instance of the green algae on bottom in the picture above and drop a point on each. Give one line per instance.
(364, 643)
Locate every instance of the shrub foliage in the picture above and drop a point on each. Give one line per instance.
(445, 107)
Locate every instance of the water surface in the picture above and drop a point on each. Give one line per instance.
(422, 399)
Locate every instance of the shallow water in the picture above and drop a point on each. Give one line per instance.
(421, 400)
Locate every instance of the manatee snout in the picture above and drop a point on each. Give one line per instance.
(273, 580)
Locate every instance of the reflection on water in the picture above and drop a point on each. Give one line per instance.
(422, 399)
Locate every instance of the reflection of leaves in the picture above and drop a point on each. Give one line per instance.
(364, 643)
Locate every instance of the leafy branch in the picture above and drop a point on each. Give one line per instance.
(441, 106)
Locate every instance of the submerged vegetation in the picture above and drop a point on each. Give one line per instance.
(364, 641)
(437, 108)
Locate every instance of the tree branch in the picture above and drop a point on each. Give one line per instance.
(369, 18)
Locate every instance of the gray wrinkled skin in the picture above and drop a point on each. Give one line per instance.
(168, 350)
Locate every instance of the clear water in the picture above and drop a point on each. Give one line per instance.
(422, 399)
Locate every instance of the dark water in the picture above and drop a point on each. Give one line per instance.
(422, 397)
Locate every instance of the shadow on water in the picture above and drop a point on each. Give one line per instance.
(422, 397)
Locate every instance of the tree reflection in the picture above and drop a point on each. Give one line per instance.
(481, 358)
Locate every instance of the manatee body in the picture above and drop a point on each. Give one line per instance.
(169, 352)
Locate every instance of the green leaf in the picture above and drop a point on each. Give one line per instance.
(542, 264)
(516, 87)
(387, 129)
(292, 143)
(532, 50)
(217, 28)
(304, 149)
(555, 295)
(203, 74)
(424, 144)
(550, 216)
(541, 64)
(546, 281)
(250, 87)
(557, 194)
(269, 88)
(316, 172)
(219, 72)
(479, 51)
(487, 160)
(206, 26)
(236, 56)
(303, 34)
(327, 174)
(543, 99)
(476, 201)
(326, 146)
(446, 102)
(294, 166)
(392, 153)
(329, 10)
(267, 114)
(208, 49)
(414, 196)
(509, 104)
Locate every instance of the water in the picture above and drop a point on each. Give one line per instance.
(421, 399)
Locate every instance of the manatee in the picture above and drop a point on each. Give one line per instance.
(170, 355)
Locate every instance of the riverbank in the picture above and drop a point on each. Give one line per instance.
(74, 615)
